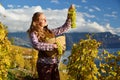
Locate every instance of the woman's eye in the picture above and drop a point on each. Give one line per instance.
(42, 20)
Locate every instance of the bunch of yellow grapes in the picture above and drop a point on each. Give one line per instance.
(72, 15)
(60, 49)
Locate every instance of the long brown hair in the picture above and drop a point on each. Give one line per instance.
(33, 23)
(40, 34)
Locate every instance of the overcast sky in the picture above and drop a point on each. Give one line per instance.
(92, 16)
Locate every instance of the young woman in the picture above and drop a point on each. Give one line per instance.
(47, 65)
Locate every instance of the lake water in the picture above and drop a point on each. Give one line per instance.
(65, 56)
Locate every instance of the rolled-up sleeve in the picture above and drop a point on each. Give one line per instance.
(40, 45)
(63, 28)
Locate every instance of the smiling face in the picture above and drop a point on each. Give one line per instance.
(40, 20)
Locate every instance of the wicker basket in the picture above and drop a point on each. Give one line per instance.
(60, 39)
(62, 42)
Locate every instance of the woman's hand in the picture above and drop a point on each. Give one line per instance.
(55, 46)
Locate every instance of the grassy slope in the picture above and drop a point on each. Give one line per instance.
(24, 50)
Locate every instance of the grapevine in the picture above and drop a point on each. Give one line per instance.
(4, 53)
(81, 64)
(12, 60)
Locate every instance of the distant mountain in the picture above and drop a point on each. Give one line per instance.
(108, 39)
(20, 39)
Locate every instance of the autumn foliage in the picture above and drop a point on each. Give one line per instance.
(86, 62)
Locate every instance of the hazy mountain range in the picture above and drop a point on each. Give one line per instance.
(108, 39)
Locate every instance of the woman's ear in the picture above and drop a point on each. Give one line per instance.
(46, 23)
(34, 24)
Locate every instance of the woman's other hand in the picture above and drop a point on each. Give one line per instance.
(55, 45)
